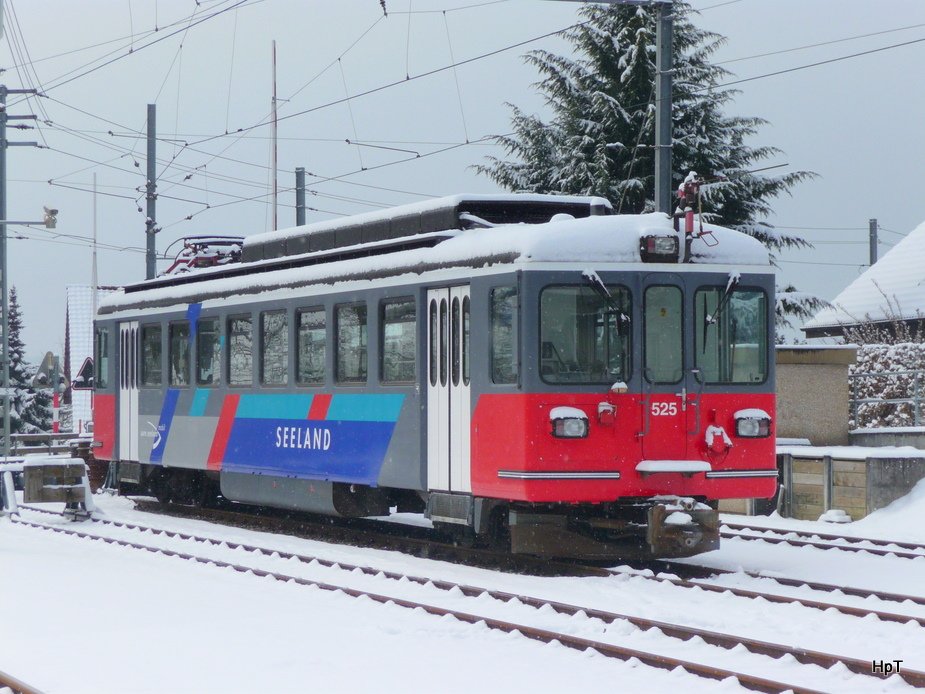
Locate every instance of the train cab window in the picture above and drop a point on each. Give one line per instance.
(663, 339)
(208, 352)
(504, 339)
(584, 334)
(731, 335)
(352, 344)
(179, 351)
(150, 355)
(101, 361)
(398, 340)
(240, 351)
(311, 348)
(274, 346)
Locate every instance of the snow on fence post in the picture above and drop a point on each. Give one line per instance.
(7, 494)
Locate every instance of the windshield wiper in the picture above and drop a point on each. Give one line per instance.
(731, 285)
(597, 284)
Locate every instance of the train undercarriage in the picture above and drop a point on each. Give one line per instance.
(664, 527)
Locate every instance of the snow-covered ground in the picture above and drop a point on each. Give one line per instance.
(78, 615)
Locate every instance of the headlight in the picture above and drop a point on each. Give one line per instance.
(658, 249)
(753, 428)
(752, 423)
(568, 423)
(570, 428)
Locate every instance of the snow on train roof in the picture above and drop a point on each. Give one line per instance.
(589, 241)
(417, 208)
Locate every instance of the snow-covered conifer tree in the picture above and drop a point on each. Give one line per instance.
(30, 410)
(599, 139)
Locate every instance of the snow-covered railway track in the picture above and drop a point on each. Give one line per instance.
(797, 538)
(850, 610)
(8, 682)
(668, 636)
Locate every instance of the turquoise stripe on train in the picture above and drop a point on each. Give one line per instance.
(366, 408)
(200, 400)
(344, 407)
(282, 406)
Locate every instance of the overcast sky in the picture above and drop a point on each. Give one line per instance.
(855, 121)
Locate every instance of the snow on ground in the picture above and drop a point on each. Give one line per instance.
(84, 616)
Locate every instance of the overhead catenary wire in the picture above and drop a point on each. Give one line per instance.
(57, 83)
(336, 178)
(462, 111)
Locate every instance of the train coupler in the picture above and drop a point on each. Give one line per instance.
(681, 527)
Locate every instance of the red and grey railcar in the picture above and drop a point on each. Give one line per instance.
(521, 368)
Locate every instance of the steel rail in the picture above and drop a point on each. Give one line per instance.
(781, 599)
(831, 588)
(726, 641)
(18, 686)
(826, 536)
(543, 635)
(819, 545)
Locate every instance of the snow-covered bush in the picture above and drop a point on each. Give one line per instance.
(894, 358)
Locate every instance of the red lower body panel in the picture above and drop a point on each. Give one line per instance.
(516, 457)
(104, 425)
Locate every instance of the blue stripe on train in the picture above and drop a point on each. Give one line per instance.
(163, 426)
(340, 451)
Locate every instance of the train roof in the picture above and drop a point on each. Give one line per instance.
(587, 242)
(437, 214)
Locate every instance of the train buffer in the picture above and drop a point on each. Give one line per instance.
(59, 479)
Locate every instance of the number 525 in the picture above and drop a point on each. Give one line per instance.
(664, 409)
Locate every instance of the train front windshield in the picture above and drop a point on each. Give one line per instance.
(732, 335)
(584, 334)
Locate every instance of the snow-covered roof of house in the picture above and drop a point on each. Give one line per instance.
(892, 288)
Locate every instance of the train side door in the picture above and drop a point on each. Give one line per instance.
(667, 403)
(448, 391)
(128, 390)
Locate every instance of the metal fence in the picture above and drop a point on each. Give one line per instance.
(887, 398)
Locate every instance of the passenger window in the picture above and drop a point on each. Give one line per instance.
(208, 352)
(101, 365)
(399, 342)
(504, 339)
(274, 341)
(434, 345)
(312, 340)
(465, 340)
(240, 353)
(351, 343)
(179, 354)
(663, 346)
(151, 355)
(444, 337)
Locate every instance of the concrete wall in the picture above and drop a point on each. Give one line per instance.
(910, 436)
(812, 393)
